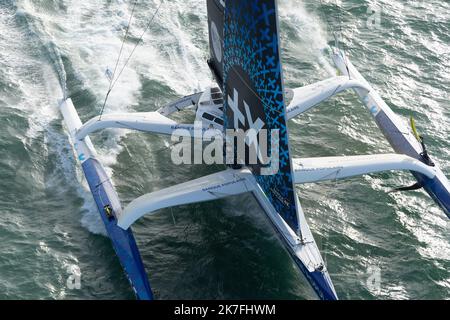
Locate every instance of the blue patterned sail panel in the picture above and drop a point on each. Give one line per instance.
(253, 92)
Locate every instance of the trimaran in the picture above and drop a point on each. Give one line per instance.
(245, 62)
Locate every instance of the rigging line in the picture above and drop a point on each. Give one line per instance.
(258, 96)
(173, 216)
(118, 58)
(123, 43)
(337, 34)
(340, 19)
(326, 18)
(138, 42)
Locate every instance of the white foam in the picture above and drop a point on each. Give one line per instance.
(90, 36)
(310, 29)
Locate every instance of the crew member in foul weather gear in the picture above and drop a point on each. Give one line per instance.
(108, 211)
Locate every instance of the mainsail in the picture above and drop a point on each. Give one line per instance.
(253, 91)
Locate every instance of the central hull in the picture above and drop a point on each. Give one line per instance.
(302, 248)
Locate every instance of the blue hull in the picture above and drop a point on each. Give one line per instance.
(438, 188)
(320, 282)
(123, 240)
(317, 280)
(437, 191)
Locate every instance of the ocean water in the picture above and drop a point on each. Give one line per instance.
(377, 245)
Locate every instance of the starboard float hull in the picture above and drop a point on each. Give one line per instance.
(105, 196)
(398, 134)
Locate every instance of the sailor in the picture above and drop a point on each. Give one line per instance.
(424, 154)
(109, 212)
(320, 268)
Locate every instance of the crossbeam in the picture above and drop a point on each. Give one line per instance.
(152, 122)
(307, 97)
(310, 170)
(213, 187)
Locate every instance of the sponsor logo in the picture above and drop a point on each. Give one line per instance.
(374, 110)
